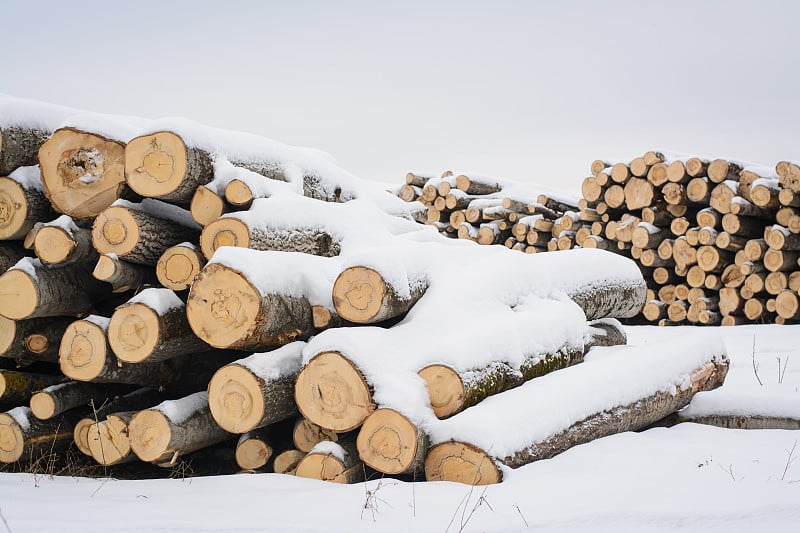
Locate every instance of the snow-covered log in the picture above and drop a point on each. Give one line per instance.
(337, 462)
(250, 300)
(256, 391)
(141, 232)
(30, 290)
(122, 275)
(363, 296)
(22, 203)
(255, 448)
(286, 462)
(24, 437)
(173, 428)
(390, 443)
(56, 399)
(61, 241)
(206, 206)
(33, 339)
(667, 379)
(152, 327)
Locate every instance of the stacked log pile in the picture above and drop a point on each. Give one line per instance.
(716, 240)
(157, 293)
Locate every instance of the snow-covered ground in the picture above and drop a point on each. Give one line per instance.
(686, 478)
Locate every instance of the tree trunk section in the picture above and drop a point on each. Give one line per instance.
(16, 388)
(390, 443)
(56, 399)
(122, 275)
(24, 437)
(286, 462)
(254, 449)
(361, 295)
(206, 206)
(54, 245)
(21, 208)
(461, 462)
(178, 266)
(306, 434)
(19, 147)
(342, 466)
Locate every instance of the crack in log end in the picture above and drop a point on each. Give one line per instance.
(80, 167)
(360, 295)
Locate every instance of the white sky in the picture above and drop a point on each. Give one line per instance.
(531, 91)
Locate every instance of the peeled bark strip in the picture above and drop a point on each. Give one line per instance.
(24, 437)
(231, 231)
(334, 462)
(31, 290)
(54, 245)
(121, 275)
(306, 434)
(152, 327)
(361, 295)
(206, 206)
(56, 399)
(136, 235)
(32, 340)
(461, 462)
(332, 393)
(173, 428)
(246, 395)
(452, 391)
(390, 443)
(179, 265)
(227, 311)
(82, 173)
(16, 388)
(21, 208)
(254, 449)
(286, 462)
(19, 147)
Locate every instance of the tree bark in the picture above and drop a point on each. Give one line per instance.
(16, 388)
(122, 275)
(19, 147)
(31, 340)
(56, 399)
(24, 437)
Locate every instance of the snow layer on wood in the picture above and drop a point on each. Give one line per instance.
(327, 447)
(769, 403)
(611, 377)
(769, 183)
(22, 416)
(278, 364)
(24, 113)
(160, 300)
(57, 386)
(287, 273)
(64, 222)
(355, 223)
(100, 321)
(178, 411)
(262, 187)
(115, 127)
(161, 209)
(29, 266)
(30, 178)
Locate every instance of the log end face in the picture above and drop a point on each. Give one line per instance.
(224, 232)
(12, 440)
(133, 332)
(149, 433)
(321, 466)
(206, 206)
(461, 463)
(43, 406)
(387, 441)
(358, 294)
(445, 389)
(18, 295)
(222, 307)
(108, 441)
(13, 210)
(115, 231)
(80, 435)
(238, 193)
(8, 329)
(332, 393)
(105, 268)
(307, 434)
(286, 462)
(53, 245)
(177, 268)
(235, 399)
(253, 454)
(83, 351)
(156, 164)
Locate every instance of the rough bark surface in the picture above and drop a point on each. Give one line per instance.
(16, 388)
(19, 147)
(35, 438)
(32, 340)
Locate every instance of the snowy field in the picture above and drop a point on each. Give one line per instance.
(685, 478)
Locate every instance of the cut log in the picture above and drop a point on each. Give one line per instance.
(675, 172)
(324, 318)
(730, 302)
(390, 443)
(83, 173)
(255, 448)
(286, 462)
(61, 241)
(742, 207)
(306, 434)
(764, 193)
(590, 190)
(206, 206)
(789, 198)
(19, 147)
(231, 231)
(709, 217)
(108, 440)
(59, 398)
(776, 260)
(332, 393)
(23, 436)
(755, 249)
(598, 165)
(152, 327)
(16, 388)
(32, 340)
(679, 226)
(22, 203)
(461, 462)
(712, 259)
(732, 276)
(780, 238)
(639, 193)
(255, 391)
(788, 175)
(452, 391)
(614, 197)
(161, 434)
(744, 226)
(675, 194)
(787, 305)
(654, 310)
(30, 290)
(698, 190)
(683, 253)
(337, 462)
(620, 172)
(477, 185)
(754, 309)
(136, 234)
(722, 196)
(121, 275)
(720, 170)
(648, 236)
(696, 167)
(227, 310)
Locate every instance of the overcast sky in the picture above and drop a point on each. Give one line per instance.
(531, 91)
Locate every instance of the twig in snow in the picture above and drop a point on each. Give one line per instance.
(516, 506)
(782, 373)
(789, 460)
(755, 365)
(729, 470)
(5, 522)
